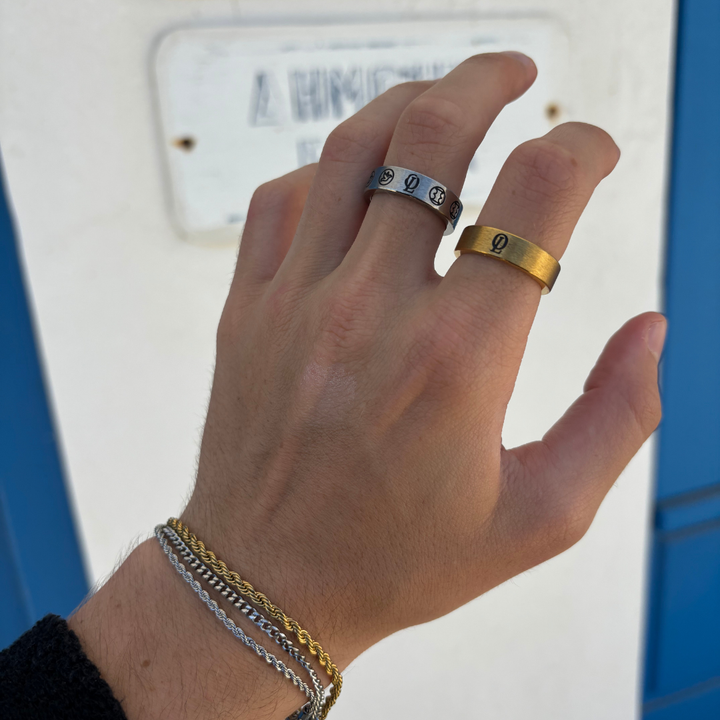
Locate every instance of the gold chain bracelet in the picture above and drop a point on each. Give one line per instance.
(245, 588)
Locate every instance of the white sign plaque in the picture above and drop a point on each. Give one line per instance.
(241, 105)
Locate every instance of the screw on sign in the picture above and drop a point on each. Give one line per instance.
(372, 177)
(437, 195)
(455, 210)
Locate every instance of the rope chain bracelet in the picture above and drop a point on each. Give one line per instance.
(225, 620)
(312, 708)
(246, 589)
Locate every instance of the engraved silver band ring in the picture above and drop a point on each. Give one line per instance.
(432, 194)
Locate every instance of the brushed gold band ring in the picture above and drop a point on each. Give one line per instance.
(514, 250)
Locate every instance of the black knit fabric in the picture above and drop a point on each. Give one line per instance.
(45, 675)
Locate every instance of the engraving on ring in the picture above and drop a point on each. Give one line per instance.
(437, 195)
(411, 183)
(499, 243)
(455, 210)
(372, 177)
(386, 176)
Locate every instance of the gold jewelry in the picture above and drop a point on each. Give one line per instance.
(522, 254)
(245, 588)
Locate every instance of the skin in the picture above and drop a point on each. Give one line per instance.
(352, 465)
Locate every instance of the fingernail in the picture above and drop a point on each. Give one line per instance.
(655, 338)
(524, 59)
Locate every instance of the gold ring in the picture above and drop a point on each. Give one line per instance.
(514, 250)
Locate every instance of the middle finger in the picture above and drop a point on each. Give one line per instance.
(437, 135)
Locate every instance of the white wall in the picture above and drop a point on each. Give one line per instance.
(127, 313)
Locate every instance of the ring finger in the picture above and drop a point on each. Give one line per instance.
(539, 195)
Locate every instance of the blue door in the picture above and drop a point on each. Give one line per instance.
(41, 570)
(682, 668)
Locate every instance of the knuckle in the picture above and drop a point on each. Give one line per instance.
(350, 142)
(566, 521)
(439, 350)
(557, 515)
(272, 196)
(345, 323)
(280, 306)
(646, 410)
(265, 197)
(282, 194)
(405, 89)
(434, 123)
(476, 323)
(228, 329)
(545, 170)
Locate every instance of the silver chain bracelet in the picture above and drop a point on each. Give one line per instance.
(225, 620)
(312, 708)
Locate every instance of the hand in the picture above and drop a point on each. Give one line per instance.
(352, 465)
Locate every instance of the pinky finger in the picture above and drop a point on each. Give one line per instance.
(560, 481)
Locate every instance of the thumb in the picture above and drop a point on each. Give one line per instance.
(564, 477)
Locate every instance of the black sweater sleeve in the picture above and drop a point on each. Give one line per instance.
(45, 675)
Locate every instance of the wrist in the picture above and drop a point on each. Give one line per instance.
(165, 655)
(297, 575)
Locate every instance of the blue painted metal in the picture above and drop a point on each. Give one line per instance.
(701, 703)
(690, 448)
(688, 648)
(688, 509)
(32, 490)
(14, 605)
(682, 674)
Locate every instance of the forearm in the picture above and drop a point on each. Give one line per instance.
(165, 654)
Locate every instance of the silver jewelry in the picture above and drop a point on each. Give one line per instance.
(226, 621)
(312, 708)
(429, 192)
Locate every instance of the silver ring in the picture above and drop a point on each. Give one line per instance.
(423, 189)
